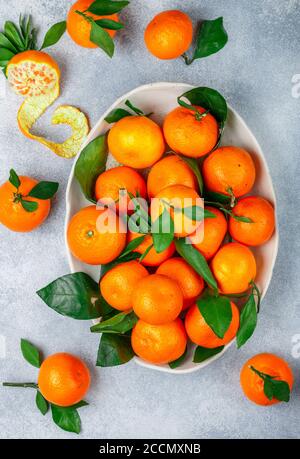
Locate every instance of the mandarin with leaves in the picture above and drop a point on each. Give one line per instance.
(260, 377)
(159, 344)
(79, 28)
(95, 236)
(201, 333)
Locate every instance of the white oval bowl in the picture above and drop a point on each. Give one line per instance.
(160, 98)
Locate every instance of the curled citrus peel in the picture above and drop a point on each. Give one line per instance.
(36, 76)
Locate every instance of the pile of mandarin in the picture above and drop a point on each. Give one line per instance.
(162, 288)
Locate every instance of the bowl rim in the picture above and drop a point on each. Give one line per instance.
(92, 135)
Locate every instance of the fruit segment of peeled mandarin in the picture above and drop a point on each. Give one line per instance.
(36, 76)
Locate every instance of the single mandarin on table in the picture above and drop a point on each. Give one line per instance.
(88, 244)
(229, 169)
(136, 141)
(189, 281)
(152, 258)
(261, 228)
(157, 299)
(200, 332)
(12, 213)
(170, 170)
(178, 200)
(191, 137)
(253, 385)
(159, 344)
(79, 28)
(169, 34)
(210, 239)
(234, 267)
(63, 379)
(118, 284)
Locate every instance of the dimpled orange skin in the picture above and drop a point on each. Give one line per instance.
(200, 333)
(253, 385)
(79, 28)
(159, 344)
(63, 379)
(110, 182)
(229, 167)
(214, 231)
(170, 170)
(169, 34)
(179, 196)
(234, 267)
(152, 258)
(185, 135)
(189, 281)
(260, 230)
(136, 141)
(157, 299)
(118, 284)
(87, 244)
(12, 214)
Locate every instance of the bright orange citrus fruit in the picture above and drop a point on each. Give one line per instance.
(152, 258)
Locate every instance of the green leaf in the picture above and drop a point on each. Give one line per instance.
(109, 24)
(90, 164)
(14, 178)
(136, 110)
(67, 418)
(163, 231)
(216, 311)
(218, 198)
(6, 43)
(176, 363)
(248, 321)
(126, 255)
(274, 388)
(145, 253)
(75, 295)
(116, 115)
(54, 34)
(132, 245)
(193, 164)
(203, 353)
(211, 100)
(240, 218)
(102, 39)
(107, 7)
(41, 403)
(120, 323)
(194, 212)
(211, 38)
(30, 353)
(44, 190)
(196, 260)
(11, 32)
(114, 350)
(6, 55)
(29, 206)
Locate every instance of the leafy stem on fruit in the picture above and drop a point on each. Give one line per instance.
(273, 388)
(198, 115)
(256, 292)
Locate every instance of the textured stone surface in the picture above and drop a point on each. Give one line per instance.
(254, 72)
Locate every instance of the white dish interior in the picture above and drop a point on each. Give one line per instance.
(160, 98)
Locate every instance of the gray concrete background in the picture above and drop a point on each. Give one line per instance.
(254, 72)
